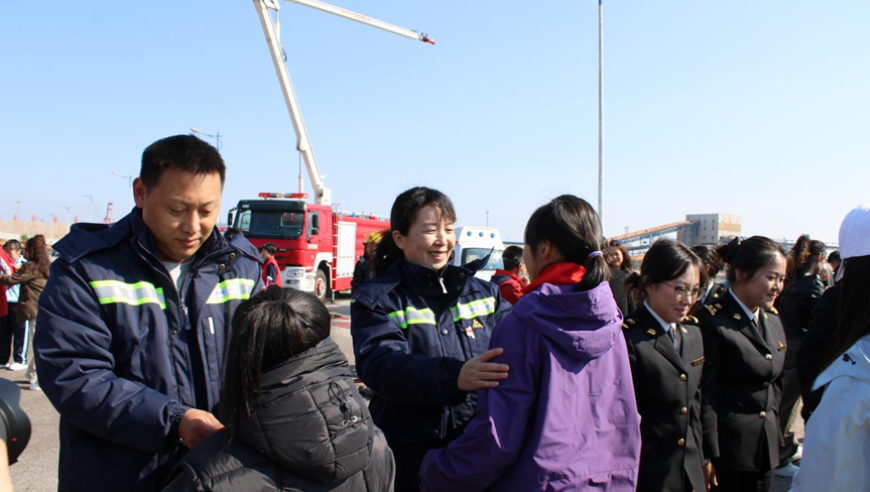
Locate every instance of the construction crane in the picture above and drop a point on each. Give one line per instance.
(108, 218)
(268, 11)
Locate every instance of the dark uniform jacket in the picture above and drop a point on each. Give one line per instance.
(411, 336)
(310, 431)
(742, 385)
(121, 354)
(817, 348)
(667, 387)
(795, 308)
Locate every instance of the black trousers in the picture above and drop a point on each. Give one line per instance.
(13, 337)
(742, 481)
(409, 456)
(788, 414)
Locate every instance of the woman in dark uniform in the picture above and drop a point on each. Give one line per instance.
(421, 331)
(744, 347)
(666, 352)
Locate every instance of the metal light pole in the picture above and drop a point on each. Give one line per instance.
(601, 113)
(130, 196)
(217, 136)
(90, 208)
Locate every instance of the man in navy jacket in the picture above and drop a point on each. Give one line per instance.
(134, 322)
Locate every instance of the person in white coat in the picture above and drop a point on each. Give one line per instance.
(837, 443)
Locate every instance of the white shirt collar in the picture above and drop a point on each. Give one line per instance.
(665, 325)
(752, 315)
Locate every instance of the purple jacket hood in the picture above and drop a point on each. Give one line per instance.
(581, 325)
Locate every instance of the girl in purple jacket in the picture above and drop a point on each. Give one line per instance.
(565, 419)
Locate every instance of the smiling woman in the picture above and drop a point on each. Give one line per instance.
(421, 330)
(744, 348)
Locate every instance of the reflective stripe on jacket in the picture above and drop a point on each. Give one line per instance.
(412, 332)
(122, 355)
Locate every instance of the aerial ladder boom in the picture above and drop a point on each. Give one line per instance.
(271, 29)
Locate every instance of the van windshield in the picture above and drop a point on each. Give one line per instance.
(471, 254)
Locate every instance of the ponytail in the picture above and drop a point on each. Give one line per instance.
(386, 254)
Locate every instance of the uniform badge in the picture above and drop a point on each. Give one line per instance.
(711, 308)
(698, 362)
(651, 332)
(625, 326)
(737, 316)
(469, 332)
(684, 329)
(477, 325)
(630, 321)
(781, 346)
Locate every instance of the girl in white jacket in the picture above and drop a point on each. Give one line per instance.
(837, 444)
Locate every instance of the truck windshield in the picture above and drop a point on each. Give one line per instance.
(271, 223)
(471, 254)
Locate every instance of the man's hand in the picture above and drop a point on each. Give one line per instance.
(196, 425)
(479, 372)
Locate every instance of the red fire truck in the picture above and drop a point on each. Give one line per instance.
(317, 247)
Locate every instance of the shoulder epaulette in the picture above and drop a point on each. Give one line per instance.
(711, 308)
(629, 322)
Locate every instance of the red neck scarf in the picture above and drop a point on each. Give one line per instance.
(563, 273)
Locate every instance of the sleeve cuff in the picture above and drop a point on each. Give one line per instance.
(175, 420)
(454, 394)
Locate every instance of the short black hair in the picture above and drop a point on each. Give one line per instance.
(267, 329)
(834, 256)
(403, 215)
(666, 260)
(270, 248)
(181, 152)
(512, 257)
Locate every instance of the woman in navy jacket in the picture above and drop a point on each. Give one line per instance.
(420, 330)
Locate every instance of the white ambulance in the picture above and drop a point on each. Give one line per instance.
(473, 243)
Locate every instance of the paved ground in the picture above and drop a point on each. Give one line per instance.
(37, 468)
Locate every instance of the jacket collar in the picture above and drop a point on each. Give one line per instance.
(563, 273)
(85, 239)
(512, 275)
(422, 280)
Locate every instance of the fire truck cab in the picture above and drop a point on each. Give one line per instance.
(317, 247)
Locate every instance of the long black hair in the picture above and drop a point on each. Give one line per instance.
(267, 329)
(749, 256)
(666, 260)
(402, 216)
(853, 318)
(626, 265)
(571, 225)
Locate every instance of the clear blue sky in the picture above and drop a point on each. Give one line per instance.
(761, 109)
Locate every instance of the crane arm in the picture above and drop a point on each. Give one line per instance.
(264, 8)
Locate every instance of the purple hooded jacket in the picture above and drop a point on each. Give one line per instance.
(565, 418)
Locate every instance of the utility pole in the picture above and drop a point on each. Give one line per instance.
(601, 113)
(90, 207)
(130, 181)
(217, 136)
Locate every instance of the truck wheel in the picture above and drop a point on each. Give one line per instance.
(321, 285)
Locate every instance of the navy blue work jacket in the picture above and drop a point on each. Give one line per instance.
(121, 355)
(413, 328)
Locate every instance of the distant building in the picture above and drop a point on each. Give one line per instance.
(709, 229)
